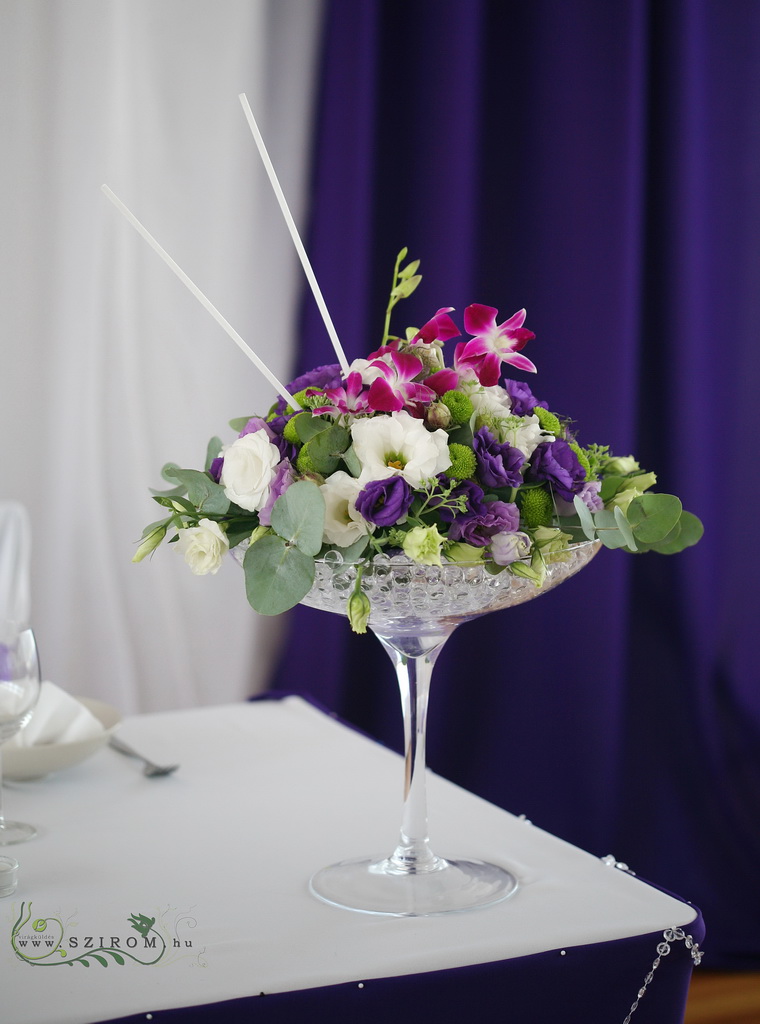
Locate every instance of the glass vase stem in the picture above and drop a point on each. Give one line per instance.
(414, 672)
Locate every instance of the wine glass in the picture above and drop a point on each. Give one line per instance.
(19, 690)
(415, 609)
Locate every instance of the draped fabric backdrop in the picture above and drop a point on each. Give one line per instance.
(109, 367)
(597, 163)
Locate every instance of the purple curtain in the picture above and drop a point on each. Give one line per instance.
(597, 163)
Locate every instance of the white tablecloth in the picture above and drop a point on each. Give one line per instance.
(220, 853)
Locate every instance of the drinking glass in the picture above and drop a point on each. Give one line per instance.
(19, 690)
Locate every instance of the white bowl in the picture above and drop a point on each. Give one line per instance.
(35, 761)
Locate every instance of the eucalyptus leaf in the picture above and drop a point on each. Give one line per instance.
(461, 435)
(351, 460)
(327, 448)
(239, 529)
(653, 516)
(173, 492)
(308, 426)
(207, 495)
(625, 529)
(239, 423)
(687, 532)
(586, 519)
(298, 515)
(277, 575)
(607, 530)
(168, 474)
(213, 450)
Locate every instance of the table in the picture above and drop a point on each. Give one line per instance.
(218, 856)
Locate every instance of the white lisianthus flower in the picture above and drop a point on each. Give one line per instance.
(343, 524)
(203, 546)
(489, 402)
(399, 445)
(248, 470)
(524, 433)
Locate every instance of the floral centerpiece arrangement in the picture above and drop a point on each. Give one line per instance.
(405, 454)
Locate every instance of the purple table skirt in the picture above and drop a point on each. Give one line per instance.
(593, 984)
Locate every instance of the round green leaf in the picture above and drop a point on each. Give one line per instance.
(277, 575)
(653, 516)
(327, 447)
(299, 516)
(687, 531)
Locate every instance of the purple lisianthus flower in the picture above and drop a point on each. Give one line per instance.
(321, 377)
(498, 464)
(478, 529)
(215, 469)
(385, 502)
(589, 495)
(284, 476)
(273, 429)
(522, 398)
(556, 463)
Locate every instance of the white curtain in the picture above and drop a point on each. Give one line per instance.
(110, 367)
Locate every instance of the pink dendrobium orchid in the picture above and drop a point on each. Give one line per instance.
(493, 344)
(346, 401)
(439, 328)
(396, 388)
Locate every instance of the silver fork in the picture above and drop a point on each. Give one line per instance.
(150, 769)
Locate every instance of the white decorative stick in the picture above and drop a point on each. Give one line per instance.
(280, 388)
(294, 233)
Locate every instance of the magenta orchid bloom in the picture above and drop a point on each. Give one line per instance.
(396, 388)
(440, 328)
(493, 344)
(348, 400)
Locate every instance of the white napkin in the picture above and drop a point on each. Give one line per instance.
(58, 718)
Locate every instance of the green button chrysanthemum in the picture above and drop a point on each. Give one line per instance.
(536, 507)
(548, 421)
(463, 462)
(459, 405)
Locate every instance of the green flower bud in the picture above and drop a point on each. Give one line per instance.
(621, 466)
(550, 544)
(437, 416)
(461, 552)
(536, 507)
(358, 610)
(631, 487)
(150, 543)
(463, 462)
(459, 405)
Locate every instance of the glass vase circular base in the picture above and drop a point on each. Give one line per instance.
(447, 886)
(12, 832)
